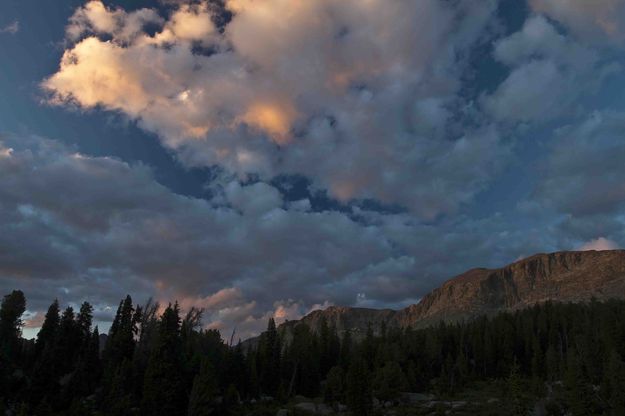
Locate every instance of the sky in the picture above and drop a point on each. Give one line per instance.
(262, 158)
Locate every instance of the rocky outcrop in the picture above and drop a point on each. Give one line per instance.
(571, 276)
(344, 318)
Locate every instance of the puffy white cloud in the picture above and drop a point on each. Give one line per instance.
(95, 17)
(255, 199)
(599, 244)
(356, 95)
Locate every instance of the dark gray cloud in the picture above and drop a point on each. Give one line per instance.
(78, 227)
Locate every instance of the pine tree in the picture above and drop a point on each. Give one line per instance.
(613, 386)
(47, 334)
(45, 375)
(120, 343)
(254, 383)
(578, 392)
(231, 400)
(346, 350)
(359, 396)
(68, 342)
(389, 381)
(270, 365)
(334, 390)
(204, 391)
(515, 391)
(163, 388)
(87, 373)
(552, 363)
(84, 321)
(118, 352)
(11, 310)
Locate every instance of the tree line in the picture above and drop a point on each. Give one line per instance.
(159, 361)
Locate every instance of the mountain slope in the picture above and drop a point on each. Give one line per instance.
(570, 276)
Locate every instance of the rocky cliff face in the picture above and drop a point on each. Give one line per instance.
(571, 276)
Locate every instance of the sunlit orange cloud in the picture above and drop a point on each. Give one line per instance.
(273, 119)
(94, 73)
(5, 152)
(343, 190)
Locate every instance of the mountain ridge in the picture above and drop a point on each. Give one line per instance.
(565, 276)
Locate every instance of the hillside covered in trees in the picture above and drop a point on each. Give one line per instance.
(553, 358)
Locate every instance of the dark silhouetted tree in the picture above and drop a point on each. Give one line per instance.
(359, 395)
(163, 387)
(204, 391)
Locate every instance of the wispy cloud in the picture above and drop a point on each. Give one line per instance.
(11, 28)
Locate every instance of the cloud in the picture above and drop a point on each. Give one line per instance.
(69, 230)
(11, 28)
(595, 21)
(583, 175)
(358, 96)
(367, 99)
(549, 74)
(599, 244)
(96, 18)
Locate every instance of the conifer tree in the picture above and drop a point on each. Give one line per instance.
(254, 383)
(204, 391)
(118, 354)
(346, 350)
(45, 384)
(359, 395)
(47, 334)
(120, 342)
(613, 386)
(334, 390)
(84, 321)
(515, 392)
(68, 342)
(578, 392)
(270, 353)
(87, 373)
(389, 381)
(11, 311)
(163, 388)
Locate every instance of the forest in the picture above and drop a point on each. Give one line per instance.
(157, 361)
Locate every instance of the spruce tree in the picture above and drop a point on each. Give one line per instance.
(11, 311)
(359, 395)
(45, 377)
(334, 390)
(515, 392)
(84, 321)
(389, 381)
(118, 352)
(578, 392)
(163, 388)
(68, 342)
(270, 353)
(204, 391)
(47, 334)
(613, 386)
